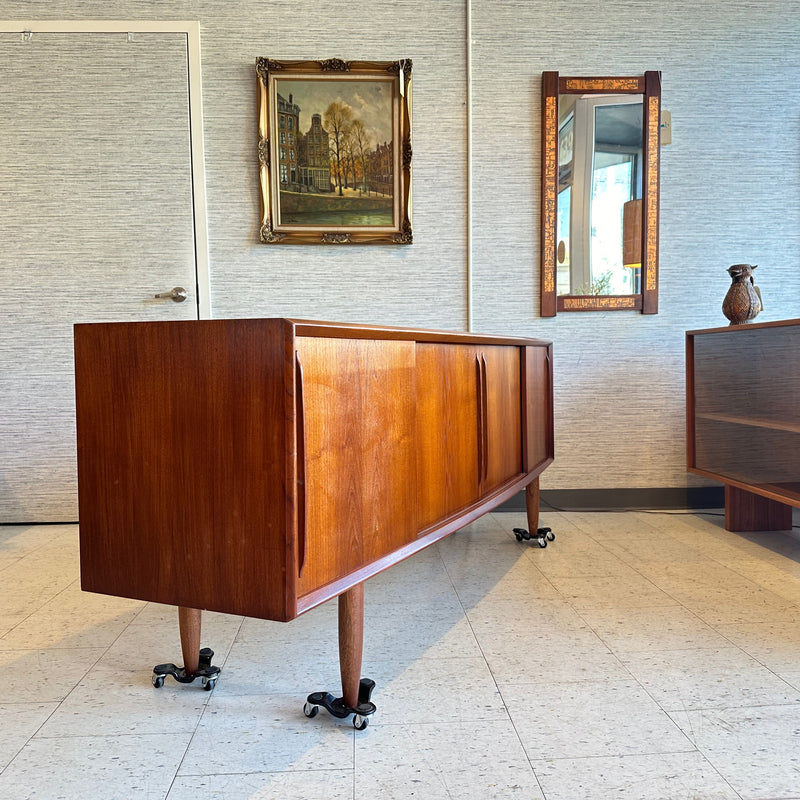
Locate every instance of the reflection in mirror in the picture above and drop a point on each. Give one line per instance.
(600, 193)
(599, 178)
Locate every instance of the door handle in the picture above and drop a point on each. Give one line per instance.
(178, 294)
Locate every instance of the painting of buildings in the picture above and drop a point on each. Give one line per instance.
(335, 152)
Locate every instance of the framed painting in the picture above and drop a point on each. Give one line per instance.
(334, 151)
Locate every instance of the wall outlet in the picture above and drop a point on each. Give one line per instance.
(666, 127)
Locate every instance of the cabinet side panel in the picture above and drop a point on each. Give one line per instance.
(359, 433)
(447, 430)
(181, 463)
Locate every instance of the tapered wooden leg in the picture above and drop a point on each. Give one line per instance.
(196, 662)
(532, 505)
(351, 642)
(356, 691)
(189, 624)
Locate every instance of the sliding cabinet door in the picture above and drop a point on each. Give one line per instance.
(448, 440)
(356, 472)
(502, 417)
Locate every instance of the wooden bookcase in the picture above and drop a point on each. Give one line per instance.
(743, 419)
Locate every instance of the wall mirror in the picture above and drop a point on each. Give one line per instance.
(600, 177)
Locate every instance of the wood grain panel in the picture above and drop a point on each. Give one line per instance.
(447, 430)
(537, 418)
(359, 423)
(503, 415)
(745, 511)
(181, 463)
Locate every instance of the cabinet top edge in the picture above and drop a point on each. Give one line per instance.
(750, 326)
(304, 327)
(342, 330)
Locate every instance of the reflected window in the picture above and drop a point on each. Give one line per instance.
(611, 189)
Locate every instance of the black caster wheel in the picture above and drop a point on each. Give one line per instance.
(542, 535)
(337, 707)
(547, 533)
(206, 672)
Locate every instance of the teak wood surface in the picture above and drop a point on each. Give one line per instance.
(448, 436)
(260, 467)
(359, 454)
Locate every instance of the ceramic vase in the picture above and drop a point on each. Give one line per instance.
(743, 300)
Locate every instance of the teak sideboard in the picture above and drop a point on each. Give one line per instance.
(260, 467)
(743, 419)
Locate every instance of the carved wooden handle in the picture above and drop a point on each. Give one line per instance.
(479, 420)
(301, 467)
(485, 422)
(483, 418)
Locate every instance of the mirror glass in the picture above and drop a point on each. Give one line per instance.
(600, 193)
(599, 180)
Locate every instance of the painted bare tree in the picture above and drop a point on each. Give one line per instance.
(350, 160)
(338, 120)
(361, 147)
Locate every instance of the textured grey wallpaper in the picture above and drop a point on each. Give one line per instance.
(419, 285)
(730, 189)
(95, 217)
(730, 193)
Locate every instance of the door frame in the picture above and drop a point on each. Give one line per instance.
(192, 31)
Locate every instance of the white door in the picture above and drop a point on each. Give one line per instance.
(97, 215)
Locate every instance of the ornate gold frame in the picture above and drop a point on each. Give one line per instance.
(648, 85)
(275, 230)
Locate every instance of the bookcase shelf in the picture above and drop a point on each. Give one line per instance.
(791, 426)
